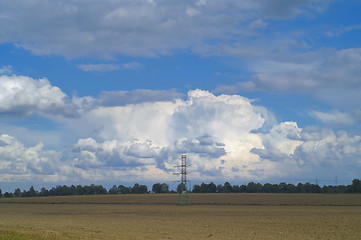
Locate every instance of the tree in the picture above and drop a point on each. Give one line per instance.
(43, 192)
(268, 188)
(8, 195)
(114, 190)
(143, 189)
(196, 188)
(243, 188)
(341, 189)
(135, 188)
(164, 188)
(139, 189)
(254, 187)
(282, 187)
(124, 190)
(236, 188)
(157, 188)
(94, 189)
(208, 188)
(204, 188)
(17, 192)
(73, 190)
(356, 186)
(307, 188)
(291, 188)
(160, 188)
(220, 188)
(64, 190)
(299, 187)
(99, 189)
(31, 192)
(212, 187)
(80, 190)
(227, 187)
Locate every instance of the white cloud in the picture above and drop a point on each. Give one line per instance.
(334, 118)
(6, 70)
(333, 79)
(341, 70)
(214, 130)
(17, 159)
(357, 114)
(143, 141)
(20, 95)
(322, 147)
(98, 67)
(278, 146)
(138, 28)
(259, 23)
(109, 67)
(313, 151)
(282, 138)
(201, 2)
(192, 12)
(343, 30)
(131, 65)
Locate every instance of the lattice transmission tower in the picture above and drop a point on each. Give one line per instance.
(182, 188)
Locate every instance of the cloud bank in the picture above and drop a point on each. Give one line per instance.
(141, 139)
(138, 28)
(341, 70)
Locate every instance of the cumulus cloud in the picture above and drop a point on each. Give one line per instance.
(20, 160)
(137, 28)
(323, 147)
(213, 130)
(281, 141)
(87, 153)
(223, 136)
(312, 150)
(20, 95)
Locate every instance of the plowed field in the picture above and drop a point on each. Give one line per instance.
(211, 216)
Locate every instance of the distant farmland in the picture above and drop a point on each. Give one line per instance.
(157, 216)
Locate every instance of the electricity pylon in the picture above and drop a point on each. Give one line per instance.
(182, 190)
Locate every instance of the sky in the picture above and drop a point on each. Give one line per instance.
(113, 92)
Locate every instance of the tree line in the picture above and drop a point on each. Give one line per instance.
(282, 187)
(251, 187)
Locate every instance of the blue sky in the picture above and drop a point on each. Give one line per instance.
(114, 92)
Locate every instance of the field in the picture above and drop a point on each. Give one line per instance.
(157, 216)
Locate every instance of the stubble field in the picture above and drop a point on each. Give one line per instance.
(157, 216)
